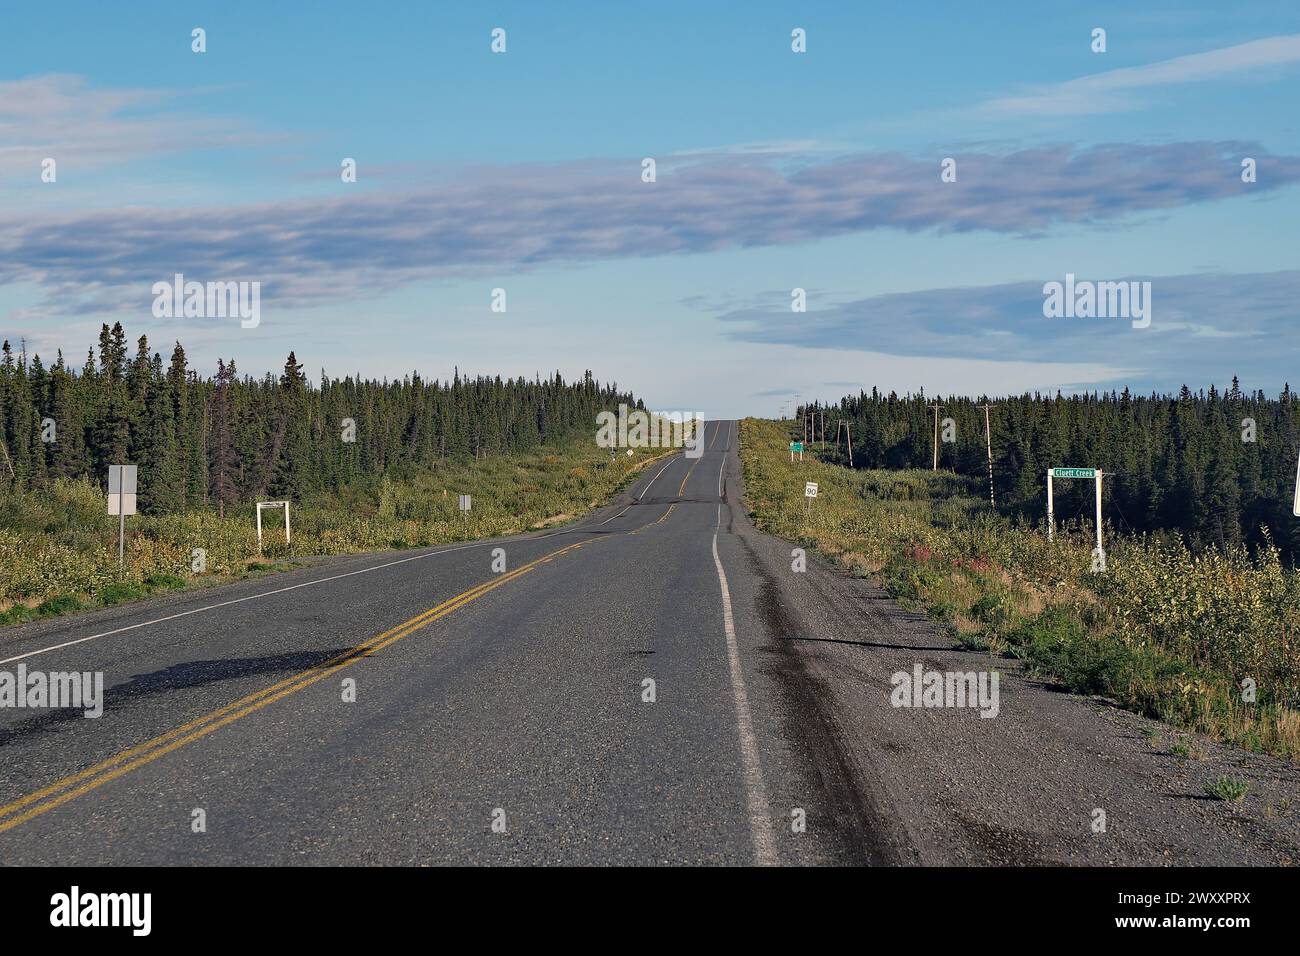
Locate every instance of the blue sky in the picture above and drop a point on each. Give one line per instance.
(776, 170)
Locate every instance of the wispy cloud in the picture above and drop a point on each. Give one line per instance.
(1204, 327)
(64, 117)
(498, 219)
(1111, 91)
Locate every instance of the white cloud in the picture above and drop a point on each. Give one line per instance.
(1105, 92)
(62, 116)
(309, 251)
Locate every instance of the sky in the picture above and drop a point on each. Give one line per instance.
(775, 170)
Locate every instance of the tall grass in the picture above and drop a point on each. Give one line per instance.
(1164, 631)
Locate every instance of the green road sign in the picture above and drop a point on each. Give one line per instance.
(1074, 472)
(796, 446)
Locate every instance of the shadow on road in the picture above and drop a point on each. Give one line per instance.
(182, 676)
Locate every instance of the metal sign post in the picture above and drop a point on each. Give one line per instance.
(1051, 521)
(936, 408)
(121, 502)
(1295, 503)
(1100, 550)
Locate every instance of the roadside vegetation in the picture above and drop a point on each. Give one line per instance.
(1172, 633)
(1212, 467)
(367, 465)
(58, 546)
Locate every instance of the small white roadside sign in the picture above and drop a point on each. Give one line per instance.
(810, 489)
(121, 502)
(121, 489)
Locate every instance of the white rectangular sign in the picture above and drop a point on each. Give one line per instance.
(465, 503)
(810, 490)
(121, 479)
(121, 489)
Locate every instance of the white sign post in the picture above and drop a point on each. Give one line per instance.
(809, 493)
(272, 504)
(1094, 473)
(1295, 502)
(121, 502)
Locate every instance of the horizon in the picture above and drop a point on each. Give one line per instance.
(1202, 390)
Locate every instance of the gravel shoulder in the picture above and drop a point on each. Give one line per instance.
(944, 786)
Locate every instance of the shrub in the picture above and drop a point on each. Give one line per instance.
(1227, 788)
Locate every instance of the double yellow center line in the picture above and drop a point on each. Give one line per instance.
(70, 787)
(681, 489)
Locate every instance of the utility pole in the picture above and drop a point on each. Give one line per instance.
(936, 408)
(848, 438)
(823, 429)
(988, 446)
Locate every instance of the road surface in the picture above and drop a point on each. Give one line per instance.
(423, 708)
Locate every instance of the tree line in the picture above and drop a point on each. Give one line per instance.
(1214, 466)
(206, 442)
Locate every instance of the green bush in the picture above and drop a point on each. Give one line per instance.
(62, 604)
(120, 592)
(1227, 788)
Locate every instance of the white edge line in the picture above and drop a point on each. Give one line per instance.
(656, 477)
(755, 790)
(722, 468)
(618, 515)
(241, 600)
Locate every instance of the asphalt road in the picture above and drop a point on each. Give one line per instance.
(503, 717)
